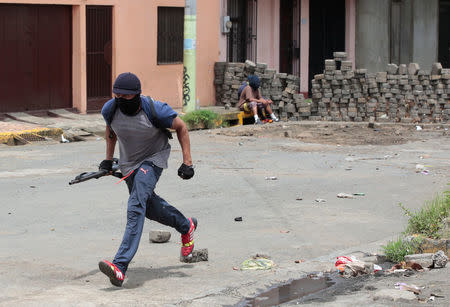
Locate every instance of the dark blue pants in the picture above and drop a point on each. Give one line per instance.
(144, 203)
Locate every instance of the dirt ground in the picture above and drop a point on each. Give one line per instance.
(331, 133)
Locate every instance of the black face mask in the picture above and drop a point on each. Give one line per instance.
(129, 107)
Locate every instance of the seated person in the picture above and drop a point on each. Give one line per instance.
(251, 100)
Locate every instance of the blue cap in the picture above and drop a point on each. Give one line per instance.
(254, 82)
(127, 83)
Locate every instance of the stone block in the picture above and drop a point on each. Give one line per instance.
(159, 236)
(413, 68)
(392, 69)
(439, 260)
(436, 69)
(402, 69)
(425, 260)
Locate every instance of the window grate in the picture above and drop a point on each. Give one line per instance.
(170, 35)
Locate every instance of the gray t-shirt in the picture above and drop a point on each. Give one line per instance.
(139, 141)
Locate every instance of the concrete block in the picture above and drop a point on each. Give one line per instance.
(413, 68)
(392, 69)
(436, 69)
(402, 69)
(425, 260)
(197, 255)
(439, 260)
(159, 236)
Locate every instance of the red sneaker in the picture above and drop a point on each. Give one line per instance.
(109, 269)
(187, 240)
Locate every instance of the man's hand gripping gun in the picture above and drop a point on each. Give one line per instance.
(91, 175)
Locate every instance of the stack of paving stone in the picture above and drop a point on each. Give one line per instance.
(401, 93)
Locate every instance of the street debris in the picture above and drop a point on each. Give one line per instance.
(344, 195)
(238, 219)
(299, 261)
(159, 236)
(405, 266)
(271, 178)
(240, 143)
(285, 231)
(257, 262)
(320, 200)
(412, 288)
(64, 140)
(197, 255)
(439, 260)
(299, 198)
(350, 266)
(419, 128)
(359, 194)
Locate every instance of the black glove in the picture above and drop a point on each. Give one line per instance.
(106, 165)
(186, 172)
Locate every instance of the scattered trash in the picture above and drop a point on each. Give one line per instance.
(52, 229)
(9, 212)
(285, 231)
(439, 260)
(271, 178)
(377, 268)
(418, 128)
(344, 195)
(235, 268)
(413, 288)
(299, 198)
(240, 143)
(424, 157)
(32, 186)
(257, 262)
(359, 194)
(348, 169)
(299, 261)
(425, 172)
(320, 200)
(420, 167)
(349, 266)
(64, 140)
(238, 219)
(404, 266)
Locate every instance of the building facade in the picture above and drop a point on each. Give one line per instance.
(66, 53)
(296, 36)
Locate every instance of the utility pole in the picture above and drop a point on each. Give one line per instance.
(189, 55)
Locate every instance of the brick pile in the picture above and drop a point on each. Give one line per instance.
(281, 88)
(399, 94)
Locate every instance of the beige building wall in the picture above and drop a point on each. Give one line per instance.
(135, 47)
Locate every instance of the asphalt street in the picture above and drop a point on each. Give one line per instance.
(52, 235)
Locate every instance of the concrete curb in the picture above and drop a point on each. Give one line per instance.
(28, 136)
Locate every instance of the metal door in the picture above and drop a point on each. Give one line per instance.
(242, 37)
(35, 57)
(98, 55)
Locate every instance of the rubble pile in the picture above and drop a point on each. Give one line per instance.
(400, 94)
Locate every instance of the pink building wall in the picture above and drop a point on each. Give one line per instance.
(268, 31)
(135, 47)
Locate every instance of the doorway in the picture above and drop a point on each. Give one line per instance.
(98, 55)
(241, 42)
(35, 57)
(326, 32)
(286, 35)
(444, 33)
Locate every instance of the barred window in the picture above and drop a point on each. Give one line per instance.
(170, 34)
